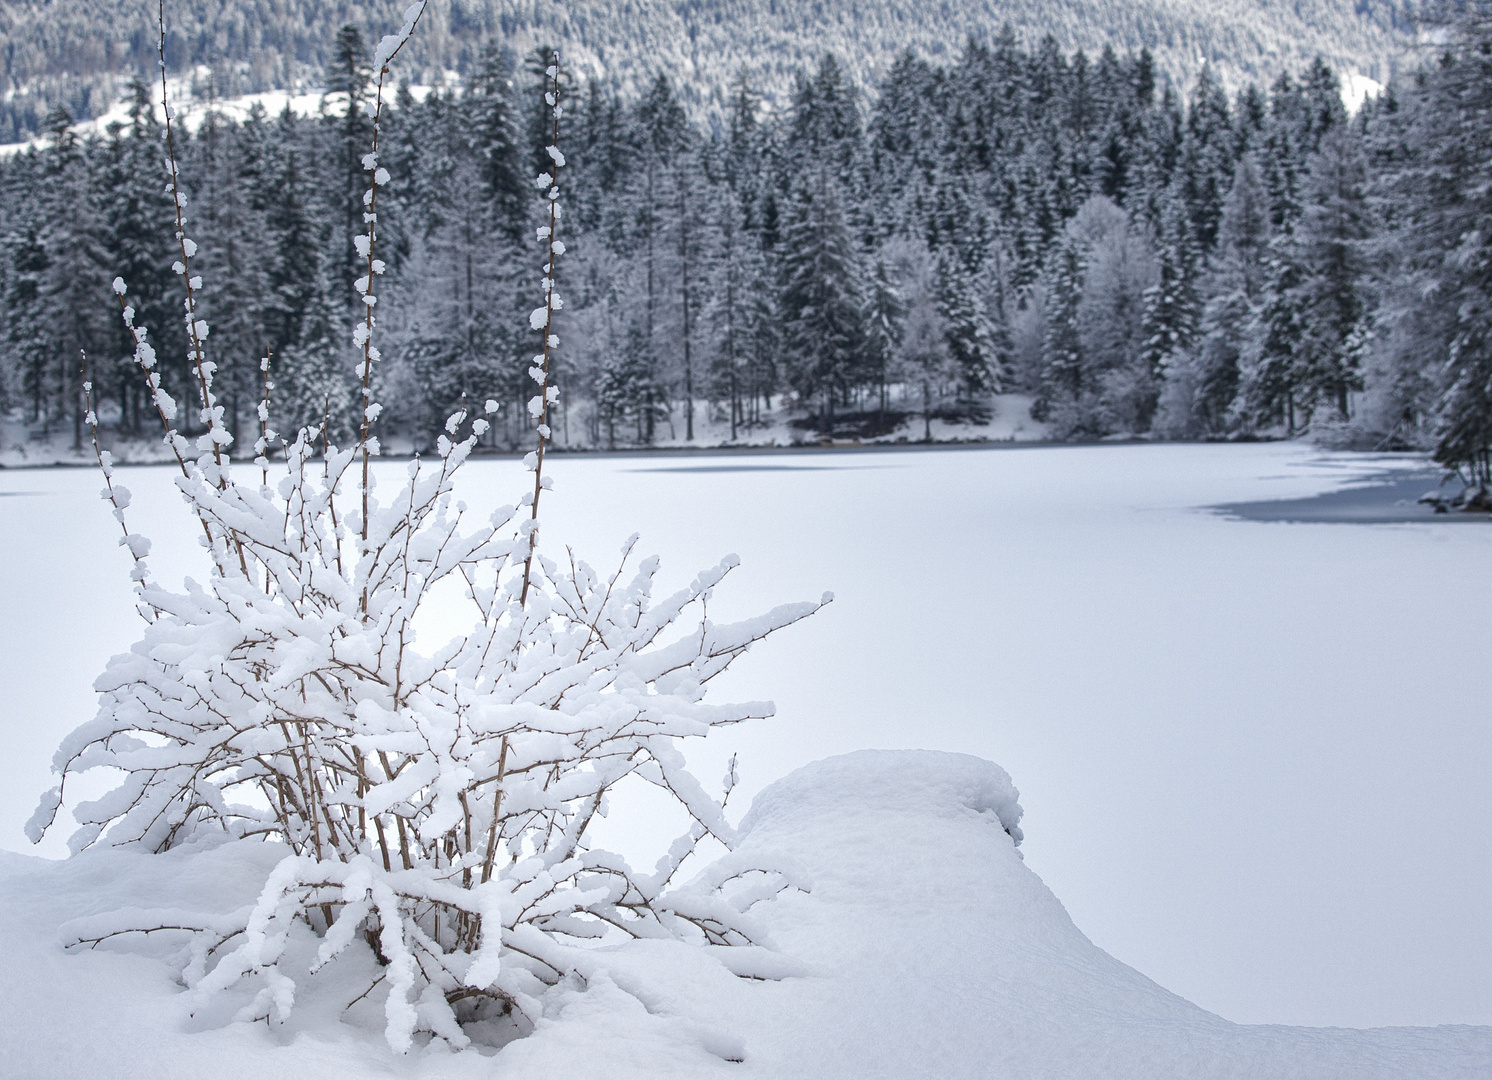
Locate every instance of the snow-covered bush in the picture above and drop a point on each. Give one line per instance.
(433, 805)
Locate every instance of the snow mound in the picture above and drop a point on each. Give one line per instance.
(924, 783)
(925, 947)
(937, 952)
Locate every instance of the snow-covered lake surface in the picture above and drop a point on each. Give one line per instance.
(1253, 755)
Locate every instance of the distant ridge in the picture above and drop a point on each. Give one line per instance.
(76, 52)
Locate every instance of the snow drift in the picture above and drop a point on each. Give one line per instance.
(925, 947)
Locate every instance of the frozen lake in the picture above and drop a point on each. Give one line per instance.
(1254, 755)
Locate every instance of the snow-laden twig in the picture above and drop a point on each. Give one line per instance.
(542, 318)
(388, 48)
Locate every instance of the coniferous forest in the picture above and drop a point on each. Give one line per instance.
(1135, 258)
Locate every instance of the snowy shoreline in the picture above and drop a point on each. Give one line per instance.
(741, 449)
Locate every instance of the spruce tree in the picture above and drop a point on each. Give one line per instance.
(461, 285)
(232, 259)
(294, 260)
(885, 317)
(1206, 159)
(1173, 307)
(316, 384)
(821, 301)
(27, 323)
(1066, 392)
(346, 98)
(74, 285)
(923, 360)
(736, 269)
(1329, 238)
(1436, 190)
(1271, 364)
(1236, 287)
(651, 202)
(495, 142)
(690, 226)
(971, 336)
(138, 245)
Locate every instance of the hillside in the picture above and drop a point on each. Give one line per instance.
(75, 53)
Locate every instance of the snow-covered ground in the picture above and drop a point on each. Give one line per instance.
(925, 947)
(191, 109)
(1252, 755)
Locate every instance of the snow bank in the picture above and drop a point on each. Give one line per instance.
(927, 948)
(914, 783)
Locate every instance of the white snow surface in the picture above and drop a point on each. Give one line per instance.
(192, 110)
(1253, 755)
(926, 948)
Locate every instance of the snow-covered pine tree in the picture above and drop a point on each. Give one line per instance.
(346, 98)
(821, 295)
(690, 227)
(1067, 397)
(26, 324)
(822, 300)
(460, 293)
(971, 334)
(1162, 132)
(1270, 367)
(764, 343)
(136, 229)
(1329, 238)
(1312, 327)
(901, 164)
(923, 361)
(1173, 308)
(1435, 189)
(1206, 162)
(1300, 114)
(824, 126)
(25, 265)
(298, 281)
(315, 385)
(1235, 289)
(631, 389)
(662, 134)
(495, 141)
(736, 268)
(233, 259)
(885, 316)
(71, 282)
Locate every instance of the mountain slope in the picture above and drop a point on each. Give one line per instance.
(73, 52)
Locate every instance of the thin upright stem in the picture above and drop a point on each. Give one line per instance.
(364, 335)
(553, 248)
(196, 330)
